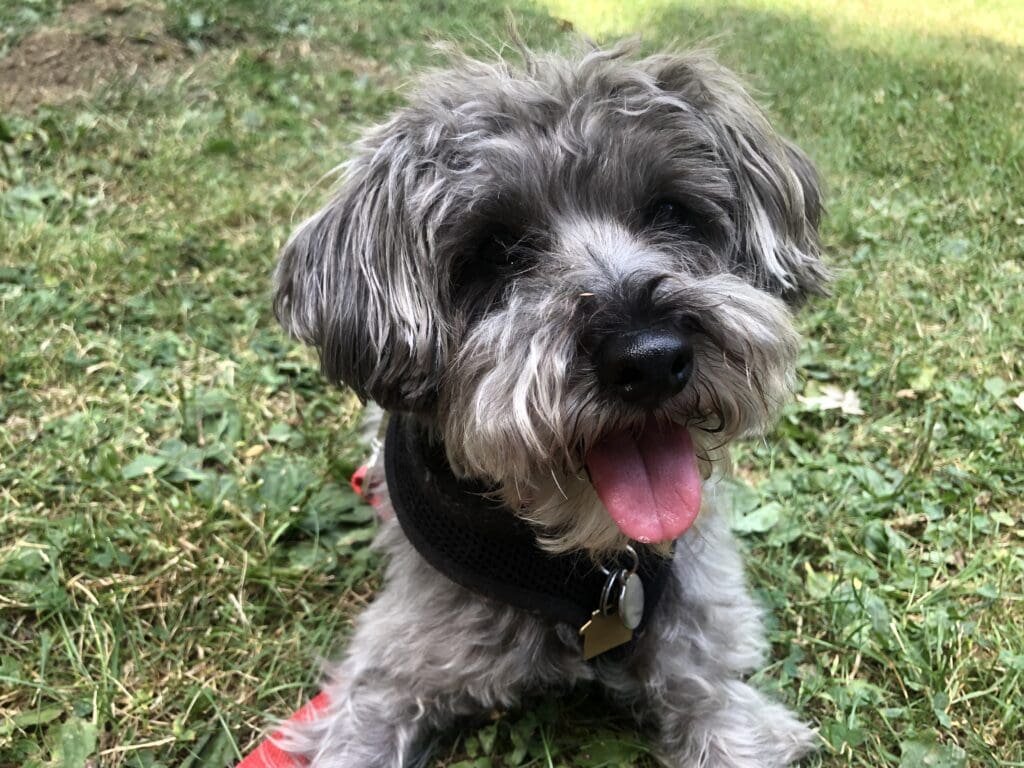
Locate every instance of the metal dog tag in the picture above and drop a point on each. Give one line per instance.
(602, 633)
(621, 611)
(631, 601)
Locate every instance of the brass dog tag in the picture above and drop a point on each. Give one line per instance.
(602, 633)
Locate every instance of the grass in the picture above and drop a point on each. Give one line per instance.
(177, 541)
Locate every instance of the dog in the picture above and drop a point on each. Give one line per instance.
(570, 282)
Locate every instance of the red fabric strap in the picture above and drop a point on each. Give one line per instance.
(269, 755)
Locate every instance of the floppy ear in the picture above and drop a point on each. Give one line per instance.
(354, 280)
(778, 188)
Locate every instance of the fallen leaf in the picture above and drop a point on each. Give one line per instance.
(833, 399)
(923, 754)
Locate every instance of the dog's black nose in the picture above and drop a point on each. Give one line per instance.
(644, 367)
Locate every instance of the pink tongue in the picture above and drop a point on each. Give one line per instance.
(651, 486)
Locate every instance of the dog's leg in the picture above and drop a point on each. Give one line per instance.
(425, 654)
(686, 677)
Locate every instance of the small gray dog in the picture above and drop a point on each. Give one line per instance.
(570, 281)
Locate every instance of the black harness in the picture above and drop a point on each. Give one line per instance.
(484, 546)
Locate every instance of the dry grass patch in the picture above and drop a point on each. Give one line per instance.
(92, 44)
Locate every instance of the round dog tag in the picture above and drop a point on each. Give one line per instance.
(631, 602)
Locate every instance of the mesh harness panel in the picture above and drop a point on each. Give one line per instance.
(485, 547)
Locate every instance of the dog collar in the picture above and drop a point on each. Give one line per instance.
(484, 546)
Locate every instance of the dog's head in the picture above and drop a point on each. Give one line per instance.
(580, 271)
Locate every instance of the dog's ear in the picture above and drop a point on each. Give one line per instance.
(778, 188)
(354, 281)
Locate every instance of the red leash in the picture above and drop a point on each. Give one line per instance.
(268, 754)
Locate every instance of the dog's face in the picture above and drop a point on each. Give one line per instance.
(579, 271)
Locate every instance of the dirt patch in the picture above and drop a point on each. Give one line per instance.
(92, 44)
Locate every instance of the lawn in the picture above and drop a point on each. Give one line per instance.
(178, 545)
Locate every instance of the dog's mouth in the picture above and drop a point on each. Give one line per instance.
(650, 483)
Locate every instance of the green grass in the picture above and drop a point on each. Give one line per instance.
(177, 541)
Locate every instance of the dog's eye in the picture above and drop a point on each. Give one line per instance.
(502, 249)
(671, 216)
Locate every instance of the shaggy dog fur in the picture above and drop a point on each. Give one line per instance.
(484, 242)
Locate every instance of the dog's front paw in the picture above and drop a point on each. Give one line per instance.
(323, 744)
(740, 729)
(369, 723)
